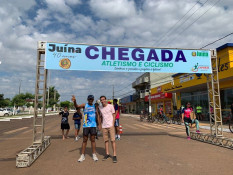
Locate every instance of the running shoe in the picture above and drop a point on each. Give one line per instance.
(188, 138)
(95, 158)
(106, 157)
(77, 138)
(197, 131)
(114, 159)
(82, 158)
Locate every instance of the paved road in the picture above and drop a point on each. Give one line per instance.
(145, 148)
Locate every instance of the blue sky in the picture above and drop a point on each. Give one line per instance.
(161, 23)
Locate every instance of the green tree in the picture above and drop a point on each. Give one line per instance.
(22, 99)
(4, 102)
(53, 96)
(66, 103)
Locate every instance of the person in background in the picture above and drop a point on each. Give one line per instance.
(232, 110)
(117, 121)
(97, 128)
(199, 112)
(77, 117)
(186, 119)
(64, 122)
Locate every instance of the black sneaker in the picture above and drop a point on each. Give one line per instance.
(106, 157)
(114, 159)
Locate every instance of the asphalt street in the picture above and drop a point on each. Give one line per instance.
(144, 148)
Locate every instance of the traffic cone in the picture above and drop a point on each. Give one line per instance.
(121, 130)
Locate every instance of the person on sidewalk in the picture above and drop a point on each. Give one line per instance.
(186, 119)
(89, 126)
(199, 112)
(77, 117)
(64, 123)
(117, 121)
(108, 115)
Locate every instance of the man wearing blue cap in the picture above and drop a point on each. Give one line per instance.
(89, 125)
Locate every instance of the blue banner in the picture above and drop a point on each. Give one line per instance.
(63, 56)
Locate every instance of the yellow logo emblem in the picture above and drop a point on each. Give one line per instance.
(65, 63)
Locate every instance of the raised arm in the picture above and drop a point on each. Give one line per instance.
(75, 103)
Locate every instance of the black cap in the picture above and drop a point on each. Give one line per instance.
(90, 97)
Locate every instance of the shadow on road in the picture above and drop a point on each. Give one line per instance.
(7, 159)
(88, 151)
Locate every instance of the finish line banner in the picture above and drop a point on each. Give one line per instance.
(64, 56)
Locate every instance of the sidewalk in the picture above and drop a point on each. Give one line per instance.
(19, 117)
(202, 124)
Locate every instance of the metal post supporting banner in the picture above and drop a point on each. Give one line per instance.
(40, 142)
(215, 114)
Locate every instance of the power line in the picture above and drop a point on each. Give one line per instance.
(195, 20)
(162, 38)
(181, 24)
(216, 40)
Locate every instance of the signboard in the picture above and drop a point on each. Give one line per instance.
(159, 95)
(64, 56)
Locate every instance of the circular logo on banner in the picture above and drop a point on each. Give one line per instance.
(65, 63)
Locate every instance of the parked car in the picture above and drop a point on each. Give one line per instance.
(6, 112)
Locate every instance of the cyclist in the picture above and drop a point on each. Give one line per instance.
(186, 119)
(162, 113)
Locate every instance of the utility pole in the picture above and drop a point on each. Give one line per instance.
(149, 87)
(19, 85)
(54, 99)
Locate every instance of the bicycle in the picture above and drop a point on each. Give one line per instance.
(230, 123)
(163, 118)
(142, 116)
(150, 118)
(176, 119)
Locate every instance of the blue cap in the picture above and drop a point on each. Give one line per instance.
(90, 97)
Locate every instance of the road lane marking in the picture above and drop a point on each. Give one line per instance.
(141, 126)
(129, 126)
(16, 130)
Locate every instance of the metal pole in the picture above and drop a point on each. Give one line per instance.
(149, 96)
(19, 85)
(54, 99)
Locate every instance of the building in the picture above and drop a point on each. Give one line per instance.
(127, 105)
(193, 87)
(142, 86)
(161, 98)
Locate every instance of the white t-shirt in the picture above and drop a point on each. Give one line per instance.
(107, 112)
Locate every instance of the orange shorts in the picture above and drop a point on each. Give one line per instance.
(111, 131)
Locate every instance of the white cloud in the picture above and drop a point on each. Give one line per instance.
(73, 2)
(108, 9)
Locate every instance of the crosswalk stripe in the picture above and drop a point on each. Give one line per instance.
(159, 127)
(141, 126)
(16, 130)
(129, 126)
